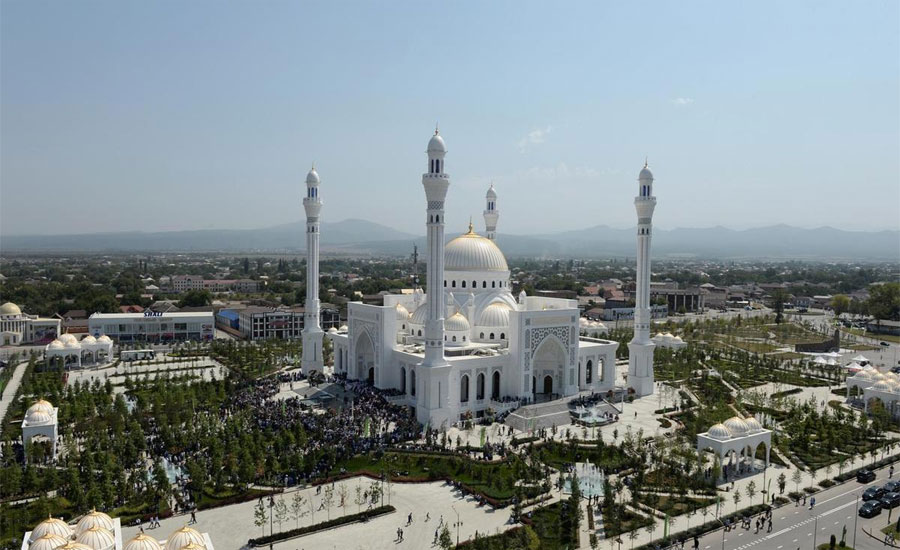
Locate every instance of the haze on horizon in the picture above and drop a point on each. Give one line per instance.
(169, 116)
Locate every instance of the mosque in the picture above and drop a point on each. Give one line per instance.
(473, 346)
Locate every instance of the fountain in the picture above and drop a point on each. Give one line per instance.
(590, 480)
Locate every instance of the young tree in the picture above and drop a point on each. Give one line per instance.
(297, 502)
(736, 497)
(260, 516)
(281, 512)
(343, 493)
(797, 477)
(328, 500)
(360, 498)
(751, 491)
(445, 541)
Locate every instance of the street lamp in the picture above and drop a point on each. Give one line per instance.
(457, 523)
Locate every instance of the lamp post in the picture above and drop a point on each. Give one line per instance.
(457, 523)
(855, 520)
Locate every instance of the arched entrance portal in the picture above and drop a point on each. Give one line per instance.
(549, 362)
(365, 358)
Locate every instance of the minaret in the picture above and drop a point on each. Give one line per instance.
(312, 329)
(640, 349)
(434, 370)
(491, 214)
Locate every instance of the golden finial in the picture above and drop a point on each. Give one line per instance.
(436, 128)
(646, 160)
(313, 166)
(471, 227)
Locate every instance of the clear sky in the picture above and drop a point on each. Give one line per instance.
(127, 115)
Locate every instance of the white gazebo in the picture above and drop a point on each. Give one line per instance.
(40, 422)
(591, 328)
(883, 386)
(668, 340)
(738, 437)
(88, 350)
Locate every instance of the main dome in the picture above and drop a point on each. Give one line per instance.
(10, 308)
(472, 252)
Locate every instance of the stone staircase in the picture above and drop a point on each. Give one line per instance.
(540, 415)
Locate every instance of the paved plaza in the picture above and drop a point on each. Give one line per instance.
(234, 524)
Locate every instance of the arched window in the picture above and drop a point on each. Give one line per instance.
(403, 326)
(474, 284)
(412, 382)
(493, 284)
(445, 283)
(453, 284)
(420, 332)
(492, 336)
(479, 386)
(503, 336)
(464, 338)
(464, 389)
(402, 380)
(454, 338)
(483, 284)
(464, 284)
(495, 385)
(437, 219)
(481, 336)
(445, 338)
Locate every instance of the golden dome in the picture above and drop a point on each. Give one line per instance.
(47, 541)
(183, 537)
(53, 526)
(94, 519)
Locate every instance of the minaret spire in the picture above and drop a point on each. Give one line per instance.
(640, 349)
(433, 374)
(312, 328)
(491, 214)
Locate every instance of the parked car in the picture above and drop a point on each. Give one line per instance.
(891, 487)
(865, 476)
(870, 509)
(890, 500)
(885, 344)
(873, 493)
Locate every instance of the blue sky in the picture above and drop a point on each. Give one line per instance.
(183, 115)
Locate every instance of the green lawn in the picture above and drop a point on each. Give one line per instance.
(558, 455)
(618, 520)
(495, 479)
(674, 505)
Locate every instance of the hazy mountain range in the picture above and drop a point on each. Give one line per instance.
(355, 236)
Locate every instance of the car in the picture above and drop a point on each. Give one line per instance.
(870, 509)
(865, 476)
(891, 487)
(890, 500)
(873, 493)
(896, 370)
(885, 344)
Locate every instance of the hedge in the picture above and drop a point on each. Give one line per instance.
(707, 527)
(785, 393)
(352, 518)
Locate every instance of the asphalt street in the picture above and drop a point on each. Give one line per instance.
(799, 527)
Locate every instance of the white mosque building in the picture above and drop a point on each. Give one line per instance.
(474, 346)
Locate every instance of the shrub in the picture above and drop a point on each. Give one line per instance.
(351, 518)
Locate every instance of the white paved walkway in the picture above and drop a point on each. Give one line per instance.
(11, 388)
(231, 526)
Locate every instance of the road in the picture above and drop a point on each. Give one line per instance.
(799, 527)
